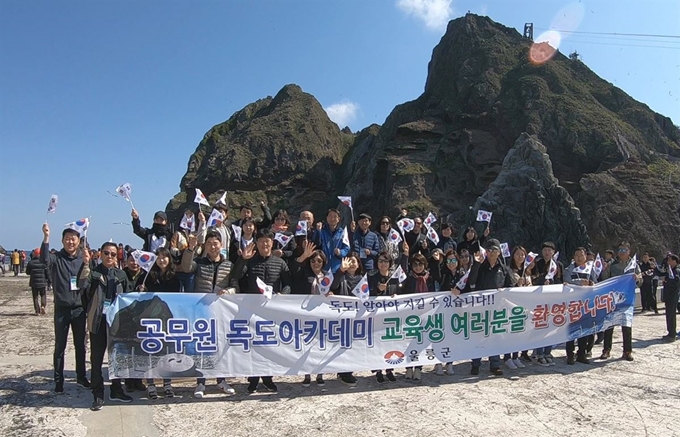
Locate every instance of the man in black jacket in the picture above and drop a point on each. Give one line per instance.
(66, 266)
(268, 268)
(37, 270)
(491, 275)
(646, 295)
(102, 285)
(416, 239)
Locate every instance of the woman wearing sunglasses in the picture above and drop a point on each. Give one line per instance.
(418, 281)
(383, 229)
(307, 276)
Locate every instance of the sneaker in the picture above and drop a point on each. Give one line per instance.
(83, 382)
(449, 369)
(550, 360)
(390, 376)
(510, 364)
(270, 386)
(59, 388)
(439, 369)
(226, 388)
(139, 385)
(474, 371)
(349, 380)
(252, 387)
(497, 372)
(542, 362)
(409, 373)
(319, 381)
(605, 355)
(97, 404)
(119, 397)
(525, 357)
(199, 392)
(151, 392)
(307, 381)
(417, 373)
(379, 377)
(571, 359)
(628, 356)
(168, 391)
(518, 363)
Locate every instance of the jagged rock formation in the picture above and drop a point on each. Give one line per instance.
(284, 150)
(528, 204)
(445, 149)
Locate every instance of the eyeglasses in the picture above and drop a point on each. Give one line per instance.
(494, 250)
(316, 261)
(107, 253)
(382, 260)
(623, 250)
(452, 261)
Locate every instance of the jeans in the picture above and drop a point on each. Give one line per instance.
(98, 344)
(627, 338)
(543, 351)
(186, 282)
(39, 298)
(149, 381)
(63, 319)
(494, 362)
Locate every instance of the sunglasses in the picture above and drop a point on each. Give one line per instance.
(384, 223)
(452, 261)
(107, 253)
(316, 261)
(623, 250)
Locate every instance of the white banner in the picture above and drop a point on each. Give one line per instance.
(202, 335)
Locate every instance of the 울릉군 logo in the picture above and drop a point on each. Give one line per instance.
(394, 357)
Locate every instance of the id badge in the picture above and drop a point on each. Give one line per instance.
(107, 304)
(74, 283)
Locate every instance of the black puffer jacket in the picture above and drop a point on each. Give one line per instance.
(38, 272)
(211, 276)
(272, 270)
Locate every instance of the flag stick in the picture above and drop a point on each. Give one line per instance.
(132, 204)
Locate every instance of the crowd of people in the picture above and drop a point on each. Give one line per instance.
(232, 256)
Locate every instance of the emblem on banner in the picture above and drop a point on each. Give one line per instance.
(394, 357)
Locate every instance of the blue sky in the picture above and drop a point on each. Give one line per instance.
(97, 93)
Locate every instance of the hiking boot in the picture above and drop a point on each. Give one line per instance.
(605, 355)
(628, 356)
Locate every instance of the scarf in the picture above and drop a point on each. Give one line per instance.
(421, 282)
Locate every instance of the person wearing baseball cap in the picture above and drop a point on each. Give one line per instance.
(366, 243)
(159, 235)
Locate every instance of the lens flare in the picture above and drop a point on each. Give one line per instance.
(544, 47)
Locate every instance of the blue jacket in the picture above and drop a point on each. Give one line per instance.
(369, 241)
(327, 241)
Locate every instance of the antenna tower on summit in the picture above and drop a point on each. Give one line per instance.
(529, 31)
